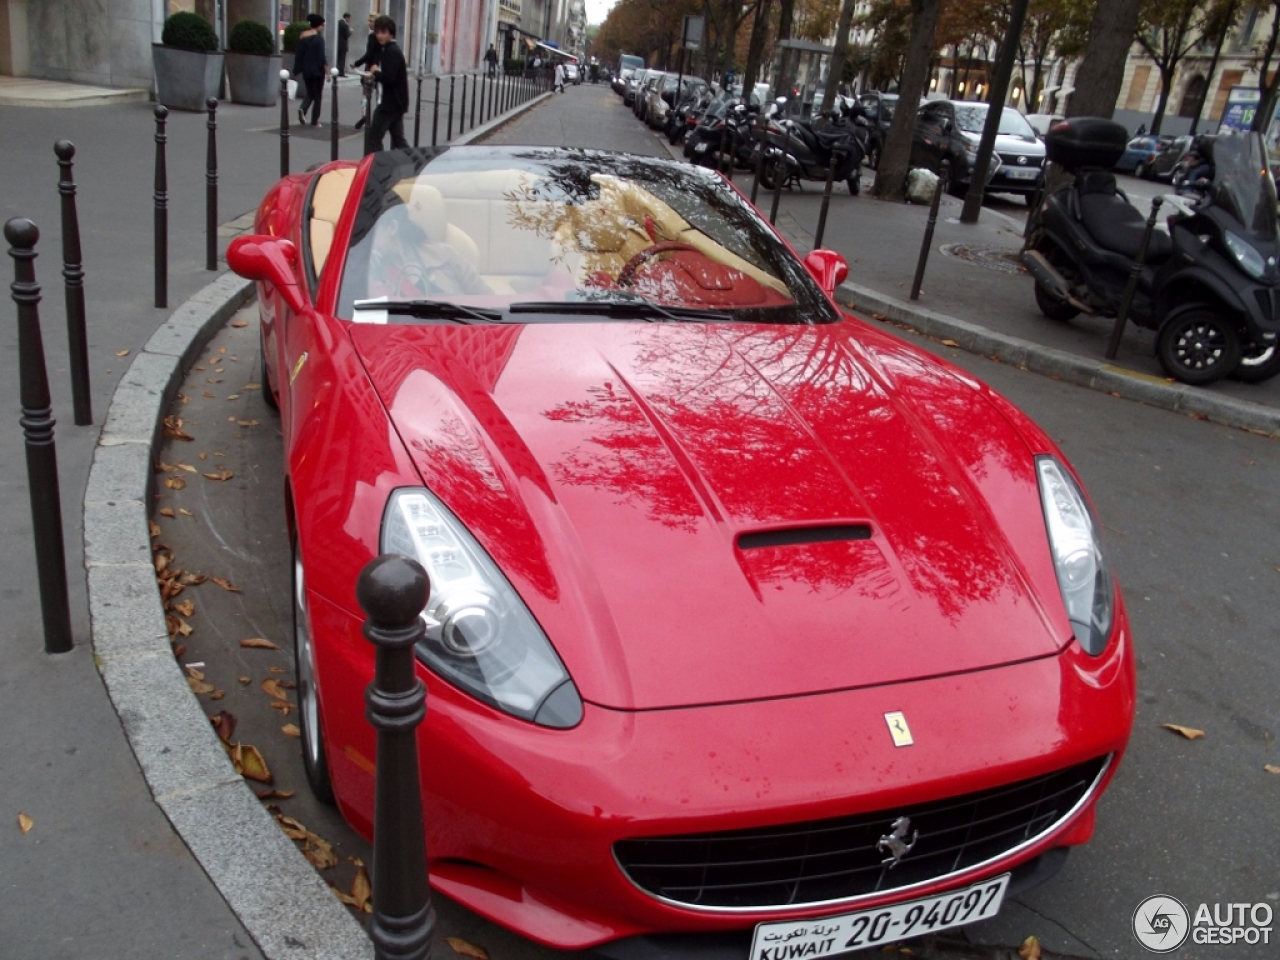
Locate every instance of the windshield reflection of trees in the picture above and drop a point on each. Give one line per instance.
(787, 425)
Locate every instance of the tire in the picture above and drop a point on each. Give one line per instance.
(873, 157)
(855, 185)
(769, 173)
(1257, 364)
(264, 378)
(1198, 346)
(1052, 307)
(314, 761)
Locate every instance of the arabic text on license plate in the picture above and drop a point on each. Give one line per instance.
(699, 148)
(1021, 173)
(829, 936)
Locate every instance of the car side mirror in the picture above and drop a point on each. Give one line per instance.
(268, 260)
(828, 268)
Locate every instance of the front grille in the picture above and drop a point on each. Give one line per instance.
(830, 860)
(1011, 160)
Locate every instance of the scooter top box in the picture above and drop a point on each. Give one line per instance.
(1086, 142)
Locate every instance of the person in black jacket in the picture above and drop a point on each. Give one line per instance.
(312, 64)
(372, 51)
(392, 74)
(344, 43)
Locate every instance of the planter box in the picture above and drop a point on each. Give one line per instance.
(185, 79)
(254, 78)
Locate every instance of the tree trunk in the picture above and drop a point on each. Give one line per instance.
(1166, 85)
(1267, 100)
(759, 37)
(1208, 80)
(1101, 72)
(891, 173)
(838, 57)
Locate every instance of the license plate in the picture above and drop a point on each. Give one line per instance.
(700, 148)
(829, 936)
(1021, 173)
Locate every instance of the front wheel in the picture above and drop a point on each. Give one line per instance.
(1052, 307)
(1198, 346)
(315, 764)
(770, 171)
(855, 184)
(1257, 364)
(1142, 171)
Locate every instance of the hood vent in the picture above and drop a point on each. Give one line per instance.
(788, 538)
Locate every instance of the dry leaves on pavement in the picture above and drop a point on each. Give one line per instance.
(361, 893)
(291, 730)
(1271, 768)
(223, 474)
(248, 761)
(314, 847)
(1030, 949)
(258, 643)
(1191, 733)
(173, 428)
(25, 823)
(226, 584)
(466, 948)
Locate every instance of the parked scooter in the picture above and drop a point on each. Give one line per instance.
(726, 117)
(797, 150)
(685, 116)
(1210, 287)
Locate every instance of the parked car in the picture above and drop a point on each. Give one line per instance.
(652, 81)
(743, 616)
(572, 74)
(1162, 165)
(1041, 122)
(1140, 153)
(662, 95)
(877, 110)
(951, 130)
(632, 85)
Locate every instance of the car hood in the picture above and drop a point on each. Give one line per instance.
(1007, 143)
(702, 514)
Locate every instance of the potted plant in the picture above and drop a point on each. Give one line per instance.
(253, 66)
(187, 62)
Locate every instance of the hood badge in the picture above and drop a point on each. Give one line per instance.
(896, 843)
(898, 728)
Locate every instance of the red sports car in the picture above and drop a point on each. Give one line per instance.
(750, 626)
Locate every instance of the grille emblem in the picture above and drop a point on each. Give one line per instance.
(896, 844)
(898, 728)
(1022, 160)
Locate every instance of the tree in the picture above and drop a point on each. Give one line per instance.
(1167, 31)
(891, 173)
(1053, 26)
(759, 40)
(891, 26)
(1101, 72)
(1219, 19)
(1268, 82)
(838, 58)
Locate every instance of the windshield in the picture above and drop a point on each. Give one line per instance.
(1242, 184)
(629, 62)
(970, 118)
(502, 229)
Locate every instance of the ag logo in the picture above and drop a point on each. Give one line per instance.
(1161, 924)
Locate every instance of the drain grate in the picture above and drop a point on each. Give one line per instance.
(993, 258)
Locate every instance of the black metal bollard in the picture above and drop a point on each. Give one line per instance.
(73, 281)
(462, 108)
(449, 136)
(435, 114)
(417, 112)
(161, 198)
(780, 175)
(333, 116)
(761, 142)
(211, 189)
(392, 590)
(476, 84)
(927, 242)
(494, 83)
(37, 428)
(826, 201)
(1117, 331)
(284, 123)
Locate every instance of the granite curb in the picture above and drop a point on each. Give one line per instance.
(1069, 367)
(282, 902)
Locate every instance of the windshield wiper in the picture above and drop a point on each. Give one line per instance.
(432, 309)
(632, 309)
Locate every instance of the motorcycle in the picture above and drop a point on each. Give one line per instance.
(685, 116)
(1210, 287)
(724, 117)
(797, 150)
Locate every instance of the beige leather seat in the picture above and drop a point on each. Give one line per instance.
(326, 207)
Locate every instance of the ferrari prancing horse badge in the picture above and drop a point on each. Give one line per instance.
(898, 728)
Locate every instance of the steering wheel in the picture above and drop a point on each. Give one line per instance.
(627, 275)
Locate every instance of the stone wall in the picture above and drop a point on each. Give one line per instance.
(102, 42)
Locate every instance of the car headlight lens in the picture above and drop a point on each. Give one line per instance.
(1250, 260)
(480, 635)
(1084, 577)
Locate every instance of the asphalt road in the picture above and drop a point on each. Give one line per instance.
(1193, 534)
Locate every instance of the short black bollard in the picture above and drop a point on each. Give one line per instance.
(417, 112)
(284, 123)
(392, 590)
(927, 242)
(37, 428)
(73, 281)
(476, 85)
(333, 116)
(449, 136)
(435, 114)
(762, 141)
(826, 199)
(1117, 331)
(462, 109)
(211, 189)
(781, 173)
(494, 83)
(161, 198)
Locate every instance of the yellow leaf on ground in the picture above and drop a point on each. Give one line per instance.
(193, 579)
(185, 607)
(173, 428)
(258, 643)
(247, 423)
(284, 706)
(467, 949)
(293, 829)
(122, 353)
(271, 687)
(249, 762)
(226, 584)
(362, 889)
(217, 695)
(245, 680)
(233, 396)
(319, 853)
(198, 686)
(951, 343)
(1191, 733)
(220, 475)
(185, 466)
(1271, 768)
(154, 528)
(208, 396)
(185, 512)
(165, 512)
(239, 323)
(1030, 949)
(291, 730)
(174, 483)
(25, 823)
(275, 795)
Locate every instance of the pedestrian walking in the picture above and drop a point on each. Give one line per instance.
(559, 77)
(491, 61)
(392, 74)
(372, 51)
(344, 43)
(311, 64)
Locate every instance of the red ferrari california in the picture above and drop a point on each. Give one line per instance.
(752, 629)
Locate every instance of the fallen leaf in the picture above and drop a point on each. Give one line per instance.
(161, 561)
(258, 643)
(226, 584)
(247, 423)
(233, 396)
(122, 353)
(184, 607)
(291, 730)
(362, 889)
(217, 370)
(222, 349)
(271, 687)
(178, 627)
(212, 380)
(293, 829)
(248, 762)
(198, 367)
(224, 725)
(193, 672)
(185, 512)
(284, 706)
(193, 579)
(174, 483)
(164, 512)
(275, 669)
(223, 474)
(1271, 768)
(275, 795)
(173, 428)
(239, 323)
(187, 467)
(198, 687)
(154, 528)
(184, 398)
(1191, 733)
(952, 343)
(1030, 949)
(208, 396)
(162, 467)
(217, 695)
(25, 823)
(252, 386)
(467, 949)
(180, 651)
(245, 680)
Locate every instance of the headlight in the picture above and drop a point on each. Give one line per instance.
(480, 635)
(1084, 576)
(1250, 260)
